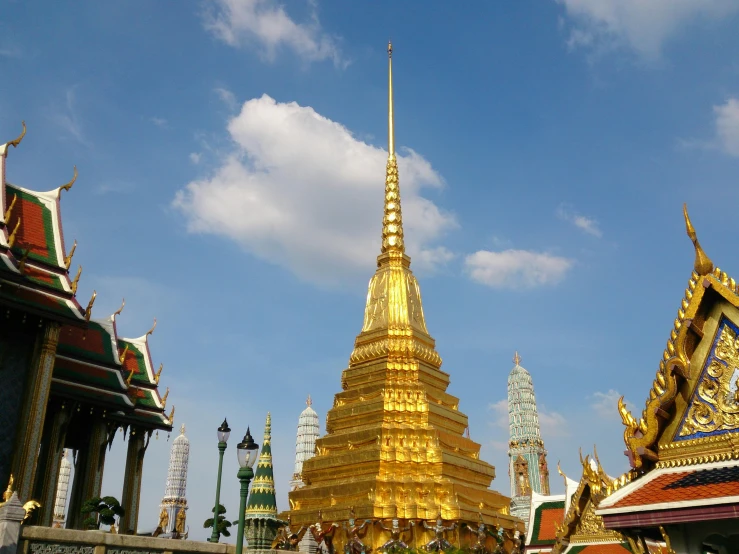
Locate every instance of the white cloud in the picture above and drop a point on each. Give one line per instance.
(195, 157)
(584, 223)
(605, 404)
(500, 413)
(727, 126)
(552, 424)
(68, 118)
(516, 268)
(642, 25)
(266, 23)
(301, 191)
(227, 97)
(159, 122)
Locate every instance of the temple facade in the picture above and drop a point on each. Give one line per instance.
(527, 465)
(305, 442)
(395, 444)
(174, 502)
(68, 380)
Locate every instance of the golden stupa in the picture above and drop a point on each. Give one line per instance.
(395, 443)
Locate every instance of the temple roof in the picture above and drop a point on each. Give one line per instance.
(34, 279)
(545, 517)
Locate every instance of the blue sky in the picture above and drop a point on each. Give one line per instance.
(231, 170)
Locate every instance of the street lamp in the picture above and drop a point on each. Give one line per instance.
(223, 433)
(247, 451)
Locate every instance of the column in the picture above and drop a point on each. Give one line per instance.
(132, 481)
(51, 458)
(33, 411)
(88, 472)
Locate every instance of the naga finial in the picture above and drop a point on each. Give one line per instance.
(10, 208)
(158, 374)
(164, 398)
(16, 142)
(22, 262)
(68, 257)
(76, 280)
(88, 310)
(171, 416)
(119, 310)
(130, 377)
(150, 331)
(69, 185)
(703, 264)
(11, 238)
(122, 357)
(562, 473)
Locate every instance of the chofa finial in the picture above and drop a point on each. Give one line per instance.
(119, 310)
(703, 264)
(151, 331)
(69, 185)
(17, 141)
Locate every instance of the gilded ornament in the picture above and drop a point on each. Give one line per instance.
(11, 238)
(70, 183)
(88, 310)
(120, 310)
(68, 257)
(158, 374)
(76, 280)
(150, 331)
(10, 208)
(122, 357)
(703, 264)
(14, 143)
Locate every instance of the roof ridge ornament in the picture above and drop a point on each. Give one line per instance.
(517, 358)
(10, 208)
(68, 257)
(88, 310)
(119, 310)
(14, 143)
(76, 280)
(151, 331)
(11, 238)
(158, 374)
(703, 264)
(69, 185)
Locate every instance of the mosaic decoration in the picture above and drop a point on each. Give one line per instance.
(714, 407)
(52, 548)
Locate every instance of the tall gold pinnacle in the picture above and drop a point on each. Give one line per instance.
(392, 221)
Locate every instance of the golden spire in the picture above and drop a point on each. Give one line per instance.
(392, 221)
(517, 358)
(703, 264)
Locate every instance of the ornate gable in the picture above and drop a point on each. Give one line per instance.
(692, 413)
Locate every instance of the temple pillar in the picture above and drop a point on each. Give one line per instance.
(51, 459)
(132, 481)
(88, 471)
(33, 410)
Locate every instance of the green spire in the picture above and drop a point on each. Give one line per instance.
(262, 502)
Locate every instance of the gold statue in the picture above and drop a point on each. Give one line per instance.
(163, 522)
(179, 525)
(29, 507)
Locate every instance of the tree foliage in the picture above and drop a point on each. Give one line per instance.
(223, 523)
(101, 511)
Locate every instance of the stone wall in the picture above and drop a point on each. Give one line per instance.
(46, 540)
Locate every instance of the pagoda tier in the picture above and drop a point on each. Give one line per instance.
(394, 443)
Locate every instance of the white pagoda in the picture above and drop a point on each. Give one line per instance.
(175, 501)
(305, 442)
(527, 464)
(62, 488)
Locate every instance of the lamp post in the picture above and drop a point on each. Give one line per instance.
(247, 451)
(223, 433)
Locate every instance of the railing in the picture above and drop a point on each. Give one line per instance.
(46, 540)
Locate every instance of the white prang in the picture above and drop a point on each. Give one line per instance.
(305, 442)
(60, 504)
(174, 494)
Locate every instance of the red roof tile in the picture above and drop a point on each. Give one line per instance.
(695, 485)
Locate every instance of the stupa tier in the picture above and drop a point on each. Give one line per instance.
(394, 443)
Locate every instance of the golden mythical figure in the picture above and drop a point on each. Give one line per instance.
(324, 536)
(354, 544)
(438, 543)
(396, 532)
